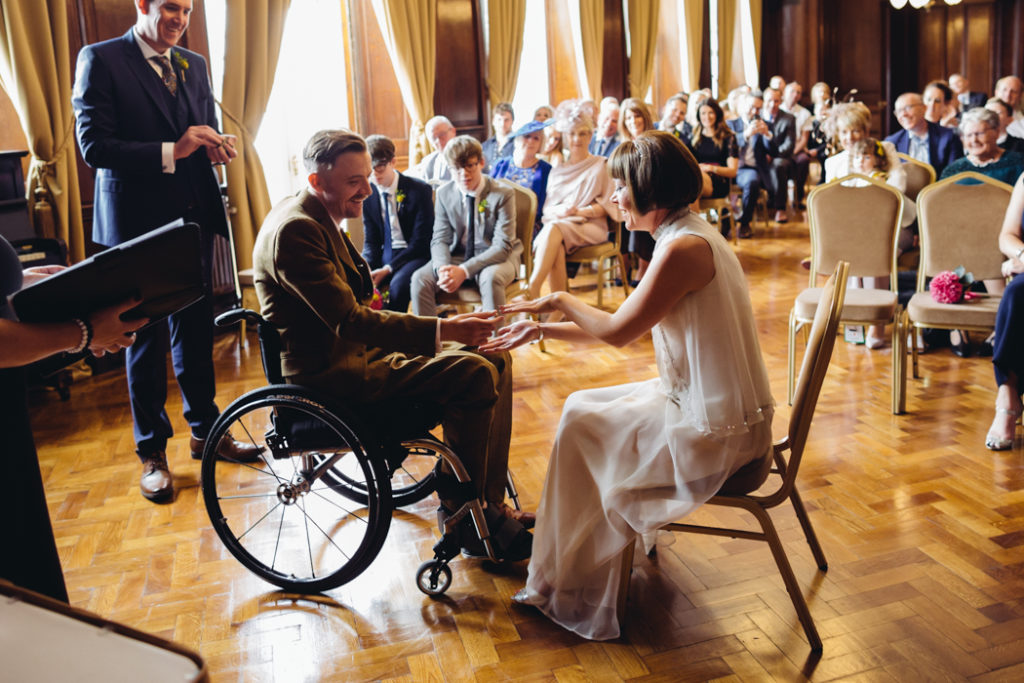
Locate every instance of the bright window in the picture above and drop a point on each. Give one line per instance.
(532, 88)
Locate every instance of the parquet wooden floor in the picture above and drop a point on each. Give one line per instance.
(923, 528)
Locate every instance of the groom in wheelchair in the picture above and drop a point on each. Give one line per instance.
(315, 288)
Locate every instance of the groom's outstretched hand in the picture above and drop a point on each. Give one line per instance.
(471, 329)
(512, 336)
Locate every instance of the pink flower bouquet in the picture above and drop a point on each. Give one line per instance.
(952, 286)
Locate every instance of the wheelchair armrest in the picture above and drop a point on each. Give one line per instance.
(235, 315)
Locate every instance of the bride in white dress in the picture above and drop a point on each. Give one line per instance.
(629, 458)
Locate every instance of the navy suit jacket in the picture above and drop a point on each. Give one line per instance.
(610, 145)
(123, 115)
(944, 146)
(415, 217)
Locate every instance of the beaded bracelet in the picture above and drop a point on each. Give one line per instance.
(87, 333)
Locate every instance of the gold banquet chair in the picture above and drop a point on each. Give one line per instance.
(858, 223)
(739, 491)
(959, 226)
(526, 213)
(919, 174)
(606, 255)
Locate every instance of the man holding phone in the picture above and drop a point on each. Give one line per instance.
(146, 123)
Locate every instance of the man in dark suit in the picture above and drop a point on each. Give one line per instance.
(965, 97)
(146, 123)
(921, 139)
(314, 287)
(775, 152)
(474, 234)
(398, 220)
(748, 127)
(606, 137)
(500, 144)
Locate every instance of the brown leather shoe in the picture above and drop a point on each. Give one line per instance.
(156, 483)
(527, 519)
(229, 449)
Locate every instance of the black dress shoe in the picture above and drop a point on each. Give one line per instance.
(745, 232)
(156, 483)
(230, 449)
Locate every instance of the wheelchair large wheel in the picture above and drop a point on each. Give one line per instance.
(411, 482)
(280, 516)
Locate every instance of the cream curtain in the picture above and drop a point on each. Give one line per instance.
(643, 35)
(739, 43)
(505, 25)
(753, 57)
(35, 70)
(587, 18)
(691, 28)
(250, 59)
(410, 29)
(728, 34)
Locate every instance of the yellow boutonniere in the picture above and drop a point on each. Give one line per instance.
(399, 197)
(481, 206)
(182, 63)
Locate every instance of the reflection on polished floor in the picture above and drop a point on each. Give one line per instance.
(922, 526)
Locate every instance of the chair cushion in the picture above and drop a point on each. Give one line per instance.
(980, 312)
(861, 305)
(749, 477)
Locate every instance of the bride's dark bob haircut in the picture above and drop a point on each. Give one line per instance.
(659, 171)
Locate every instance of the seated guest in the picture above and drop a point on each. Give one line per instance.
(634, 119)
(398, 220)
(748, 128)
(499, 145)
(776, 160)
(543, 113)
(791, 95)
(432, 167)
(578, 201)
(684, 129)
(30, 558)
(524, 167)
(819, 139)
(849, 122)
(777, 83)
(1008, 89)
(474, 234)
(629, 458)
(315, 289)
(714, 146)
(1008, 345)
(1005, 114)
(732, 102)
(964, 97)
(922, 139)
(820, 92)
(606, 137)
(673, 117)
(980, 129)
(939, 105)
(552, 149)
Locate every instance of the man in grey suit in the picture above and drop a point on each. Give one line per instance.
(474, 234)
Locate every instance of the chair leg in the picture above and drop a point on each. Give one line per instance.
(626, 565)
(790, 376)
(602, 273)
(913, 346)
(805, 524)
(899, 375)
(625, 273)
(788, 578)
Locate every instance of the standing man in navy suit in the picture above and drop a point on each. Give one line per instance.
(398, 221)
(921, 139)
(146, 123)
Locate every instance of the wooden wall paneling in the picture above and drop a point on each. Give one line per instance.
(979, 46)
(377, 98)
(859, 63)
(459, 82)
(931, 42)
(705, 47)
(561, 54)
(615, 69)
(668, 78)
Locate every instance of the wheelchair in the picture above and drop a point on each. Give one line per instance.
(313, 511)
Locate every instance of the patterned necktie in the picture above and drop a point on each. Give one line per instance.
(471, 231)
(168, 76)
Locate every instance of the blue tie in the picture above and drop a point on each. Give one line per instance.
(387, 229)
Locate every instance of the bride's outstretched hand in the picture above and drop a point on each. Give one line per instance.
(512, 336)
(545, 304)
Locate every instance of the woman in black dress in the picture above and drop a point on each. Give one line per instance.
(714, 145)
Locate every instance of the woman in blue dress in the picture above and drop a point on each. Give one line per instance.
(524, 167)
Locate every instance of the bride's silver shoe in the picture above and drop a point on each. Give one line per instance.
(521, 597)
(994, 442)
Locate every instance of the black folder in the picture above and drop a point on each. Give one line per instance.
(163, 268)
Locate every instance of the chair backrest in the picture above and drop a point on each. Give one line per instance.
(857, 222)
(959, 226)
(817, 356)
(526, 217)
(919, 174)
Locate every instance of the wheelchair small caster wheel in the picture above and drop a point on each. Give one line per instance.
(433, 577)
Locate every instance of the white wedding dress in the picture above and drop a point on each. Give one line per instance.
(627, 459)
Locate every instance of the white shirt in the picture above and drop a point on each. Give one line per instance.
(166, 148)
(802, 115)
(397, 238)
